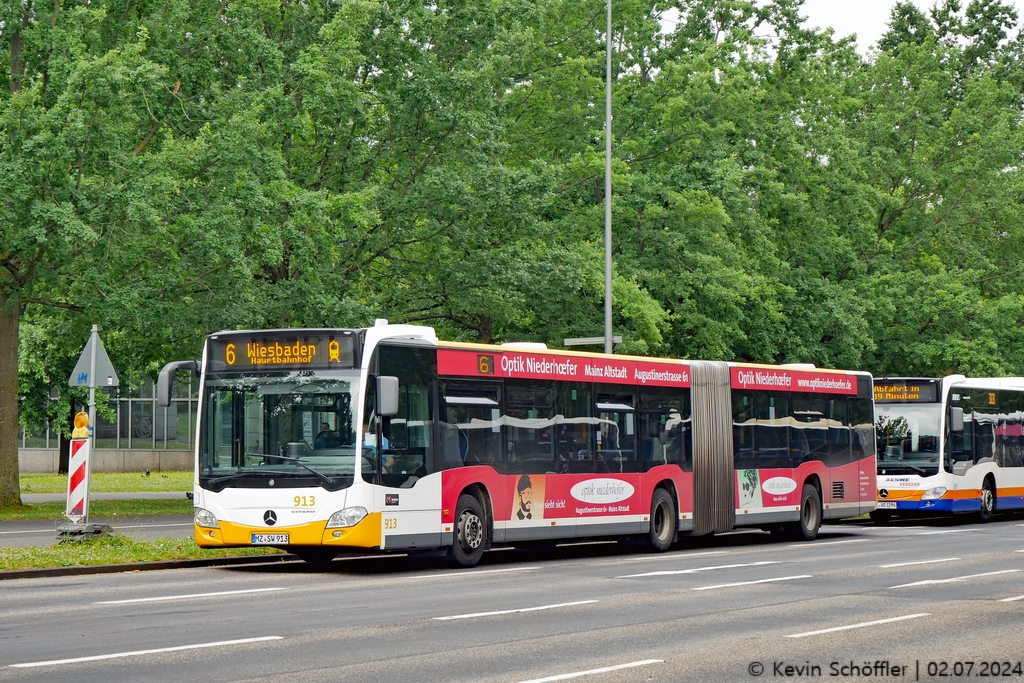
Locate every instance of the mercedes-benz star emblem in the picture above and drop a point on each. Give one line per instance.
(883, 493)
(270, 517)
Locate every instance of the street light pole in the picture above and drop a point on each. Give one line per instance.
(608, 188)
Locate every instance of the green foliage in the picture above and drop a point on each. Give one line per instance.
(171, 169)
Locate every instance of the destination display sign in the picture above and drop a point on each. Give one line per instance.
(783, 379)
(907, 391)
(281, 351)
(528, 365)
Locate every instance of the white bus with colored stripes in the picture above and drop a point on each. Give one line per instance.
(950, 445)
(323, 441)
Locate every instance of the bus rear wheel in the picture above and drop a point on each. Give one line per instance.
(988, 500)
(470, 532)
(810, 517)
(663, 521)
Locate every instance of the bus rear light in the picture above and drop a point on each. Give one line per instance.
(347, 517)
(207, 519)
(934, 494)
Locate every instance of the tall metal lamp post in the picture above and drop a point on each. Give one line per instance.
(608, 187)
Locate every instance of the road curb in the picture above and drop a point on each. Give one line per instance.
(79, 570)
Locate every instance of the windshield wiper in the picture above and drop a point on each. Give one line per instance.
(320, 475)
(240, 475)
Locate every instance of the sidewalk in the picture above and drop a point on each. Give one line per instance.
(137, 495)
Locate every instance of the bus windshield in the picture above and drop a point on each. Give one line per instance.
(908, 438)
(293, 428)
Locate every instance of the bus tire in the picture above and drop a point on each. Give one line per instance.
(470, 532)
(880, 517)
(663, 521)
(810, 513)
(810, 517)
(988, 500)
(316, 556)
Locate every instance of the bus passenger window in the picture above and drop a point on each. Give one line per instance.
(470, 424)
(616, 445)
(665, 429)
(530, 427)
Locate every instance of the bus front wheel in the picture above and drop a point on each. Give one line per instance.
(316, 556)
(470, 532)
(880, 517)
(663, 521)
(988, 500)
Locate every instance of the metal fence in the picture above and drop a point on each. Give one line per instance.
(138, 424)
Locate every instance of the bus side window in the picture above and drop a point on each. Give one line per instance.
(616, 448)
(772, 428)
(471, 421)
(809, 428)
(838, 432)
(530, 427)
(743, 430)
(574, 428)
(664, 428)
(862, 420)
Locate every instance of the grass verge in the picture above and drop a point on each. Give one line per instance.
(111, 482)
(116, 550)
(99, 508)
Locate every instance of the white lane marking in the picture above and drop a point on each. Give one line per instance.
(475, 572)
(1015, 599)
(928, 582)
(695, 570)
(515, 611)
(591, 672)
(30, 531)
(947, 531)
(186, 597)
(818, 545)
(138, 653)
(750, 583)
(861, 625)
(907, 564)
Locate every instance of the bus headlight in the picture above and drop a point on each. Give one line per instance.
(934, 494)
(207, 519)
(346, 517)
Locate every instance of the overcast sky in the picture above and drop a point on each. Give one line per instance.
(866, 18)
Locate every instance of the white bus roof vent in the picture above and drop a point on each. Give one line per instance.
(798, 366)
(526, 346)
(380, 322)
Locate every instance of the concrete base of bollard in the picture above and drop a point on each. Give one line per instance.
(72, 532)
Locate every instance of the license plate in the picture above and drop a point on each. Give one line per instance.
(886, 505)
(270, 539)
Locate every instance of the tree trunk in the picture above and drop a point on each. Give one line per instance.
(10, 487)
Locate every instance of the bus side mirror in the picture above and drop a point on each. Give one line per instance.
(956, 420)
(387, 396)
(165, 382)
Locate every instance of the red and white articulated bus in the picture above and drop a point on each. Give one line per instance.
(321, 441)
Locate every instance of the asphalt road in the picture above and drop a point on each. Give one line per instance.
(712, 610)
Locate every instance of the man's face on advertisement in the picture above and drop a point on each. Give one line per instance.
(526, 499)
